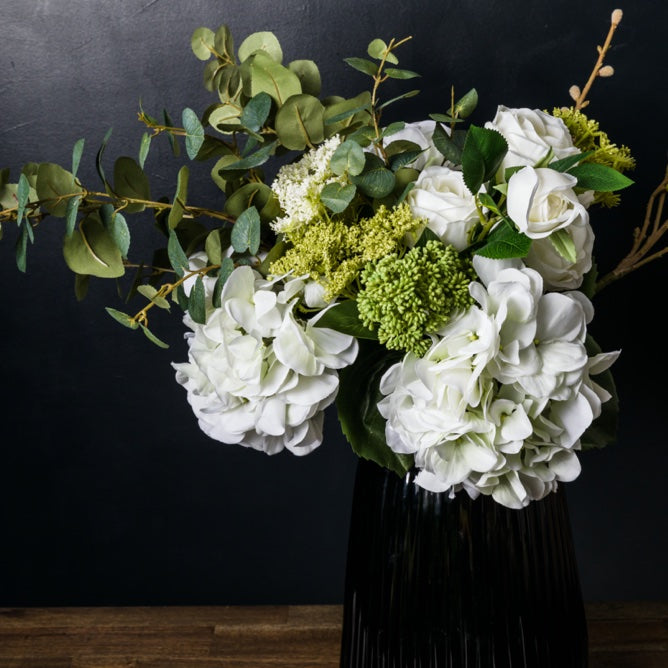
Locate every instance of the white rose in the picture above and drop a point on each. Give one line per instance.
(530, 135)
(559, 273)
(541, 201)
(441, 197)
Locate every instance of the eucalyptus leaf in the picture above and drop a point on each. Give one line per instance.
(152, 337)
(22, 195)
(179, 203)
(262, 74)
(343, 114)
(300, 122)
(144, 147)
(254, 160)
(81, 285)
(91, 250)
(266, 42)
(362, 65)
(120, 233)
(170, 135)
(246, 232)
(197, 302)
(308, 75)
(77, 151)
(223, 42)
(347, 158)
(466, 105)
(395, 73)
(336, 196)
(226, 268)
(131, 183)
(121, 317)
(98, 160)
(22, 250)
(202, 43)
(378, 49)
(71, 215)
(194, 132)
(54, 186)
(151, 294)
(259, 195)
(255, 112)
(220, 177)
(177, 257)
(403, 96)
(225, 118)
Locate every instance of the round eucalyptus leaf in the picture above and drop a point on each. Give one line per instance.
(220, 178)
(131, 182)
(223, 42)
(202, 43)
(225, 118)
(262, 74)
(261, 41)
(258, 195)
(91, 250)
(300, 122)
(53, 184)
(308, 74)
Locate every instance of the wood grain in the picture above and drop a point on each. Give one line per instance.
(622, 635)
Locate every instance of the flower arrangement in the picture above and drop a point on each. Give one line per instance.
(432, 278)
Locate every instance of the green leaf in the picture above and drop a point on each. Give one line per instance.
(91, 250)
(261, 74)
(22, 249)
(259, 195)
(505, 242)
(254, 160)
(120, 233)
(343, 114)
(483, 153)
(223, 42)
(151, 293)
(403, 96)
(81, 284)
(54, 184)
(465, 106)
(152, 337)
(197, 302)
(344, 317)
(172, 139)
(336, 197)
(179, 203)
(347, 158)
(131, 182)
(275, 252)
(427, 235)
(246, 232)
(256, 111)
(601, 178)
(225, 118)
(98, 160)
(446, 146)
(261, 41)
(603, 430)
(202, 43)
(71, 215)
(121, 317)
(77, 150)
(357, 401)
(362, 65)
(487, 201)
(177, 258)
(300, 122)
(308, 75)
(194, 132)
(376, 180)
(378, 49)
(395, 73)
(565, 164)
(144, 147)
(226, 268)
(22, 195)
(564, 245)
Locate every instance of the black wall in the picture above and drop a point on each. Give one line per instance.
(109, 493)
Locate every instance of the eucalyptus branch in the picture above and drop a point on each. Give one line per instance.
(645, 238)
(600, 70)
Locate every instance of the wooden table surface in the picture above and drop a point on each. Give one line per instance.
(622, 635)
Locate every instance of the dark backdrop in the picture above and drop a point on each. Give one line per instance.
(109, 493)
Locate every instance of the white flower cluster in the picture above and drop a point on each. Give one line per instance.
(498, 404)
(298, 185)
(256, 374)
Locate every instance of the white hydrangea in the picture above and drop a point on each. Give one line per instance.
(258, 376)
(498, 404)
(297, 185)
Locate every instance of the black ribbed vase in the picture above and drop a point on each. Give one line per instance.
(433, 582)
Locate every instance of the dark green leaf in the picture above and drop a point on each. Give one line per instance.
(246, 232)
(71, 215)
(177, 258)
(144, 148)
(172, 139)
(488, 202)
(22, 249)
(344, 317)
(376, 180)
(194, 132)
(275, 252)
(336, 197)
(197, 302)
(255, 160)
(308, 74)
(427, 235)
(446, 146)
(77, 150)
(300, 122)
(403, 96)
(362, 65)
(98, 160)
(91, 250)
(565, 164)
(465, 106)
(121, 317)
(22, 195)
(179, 203)
(483, 153)
(505, 242)
(357, 401)
(226, 268)
(131, 182)
(592, 176)
(255, 113)
(120, 233)
(81, 284)
(55, 185)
